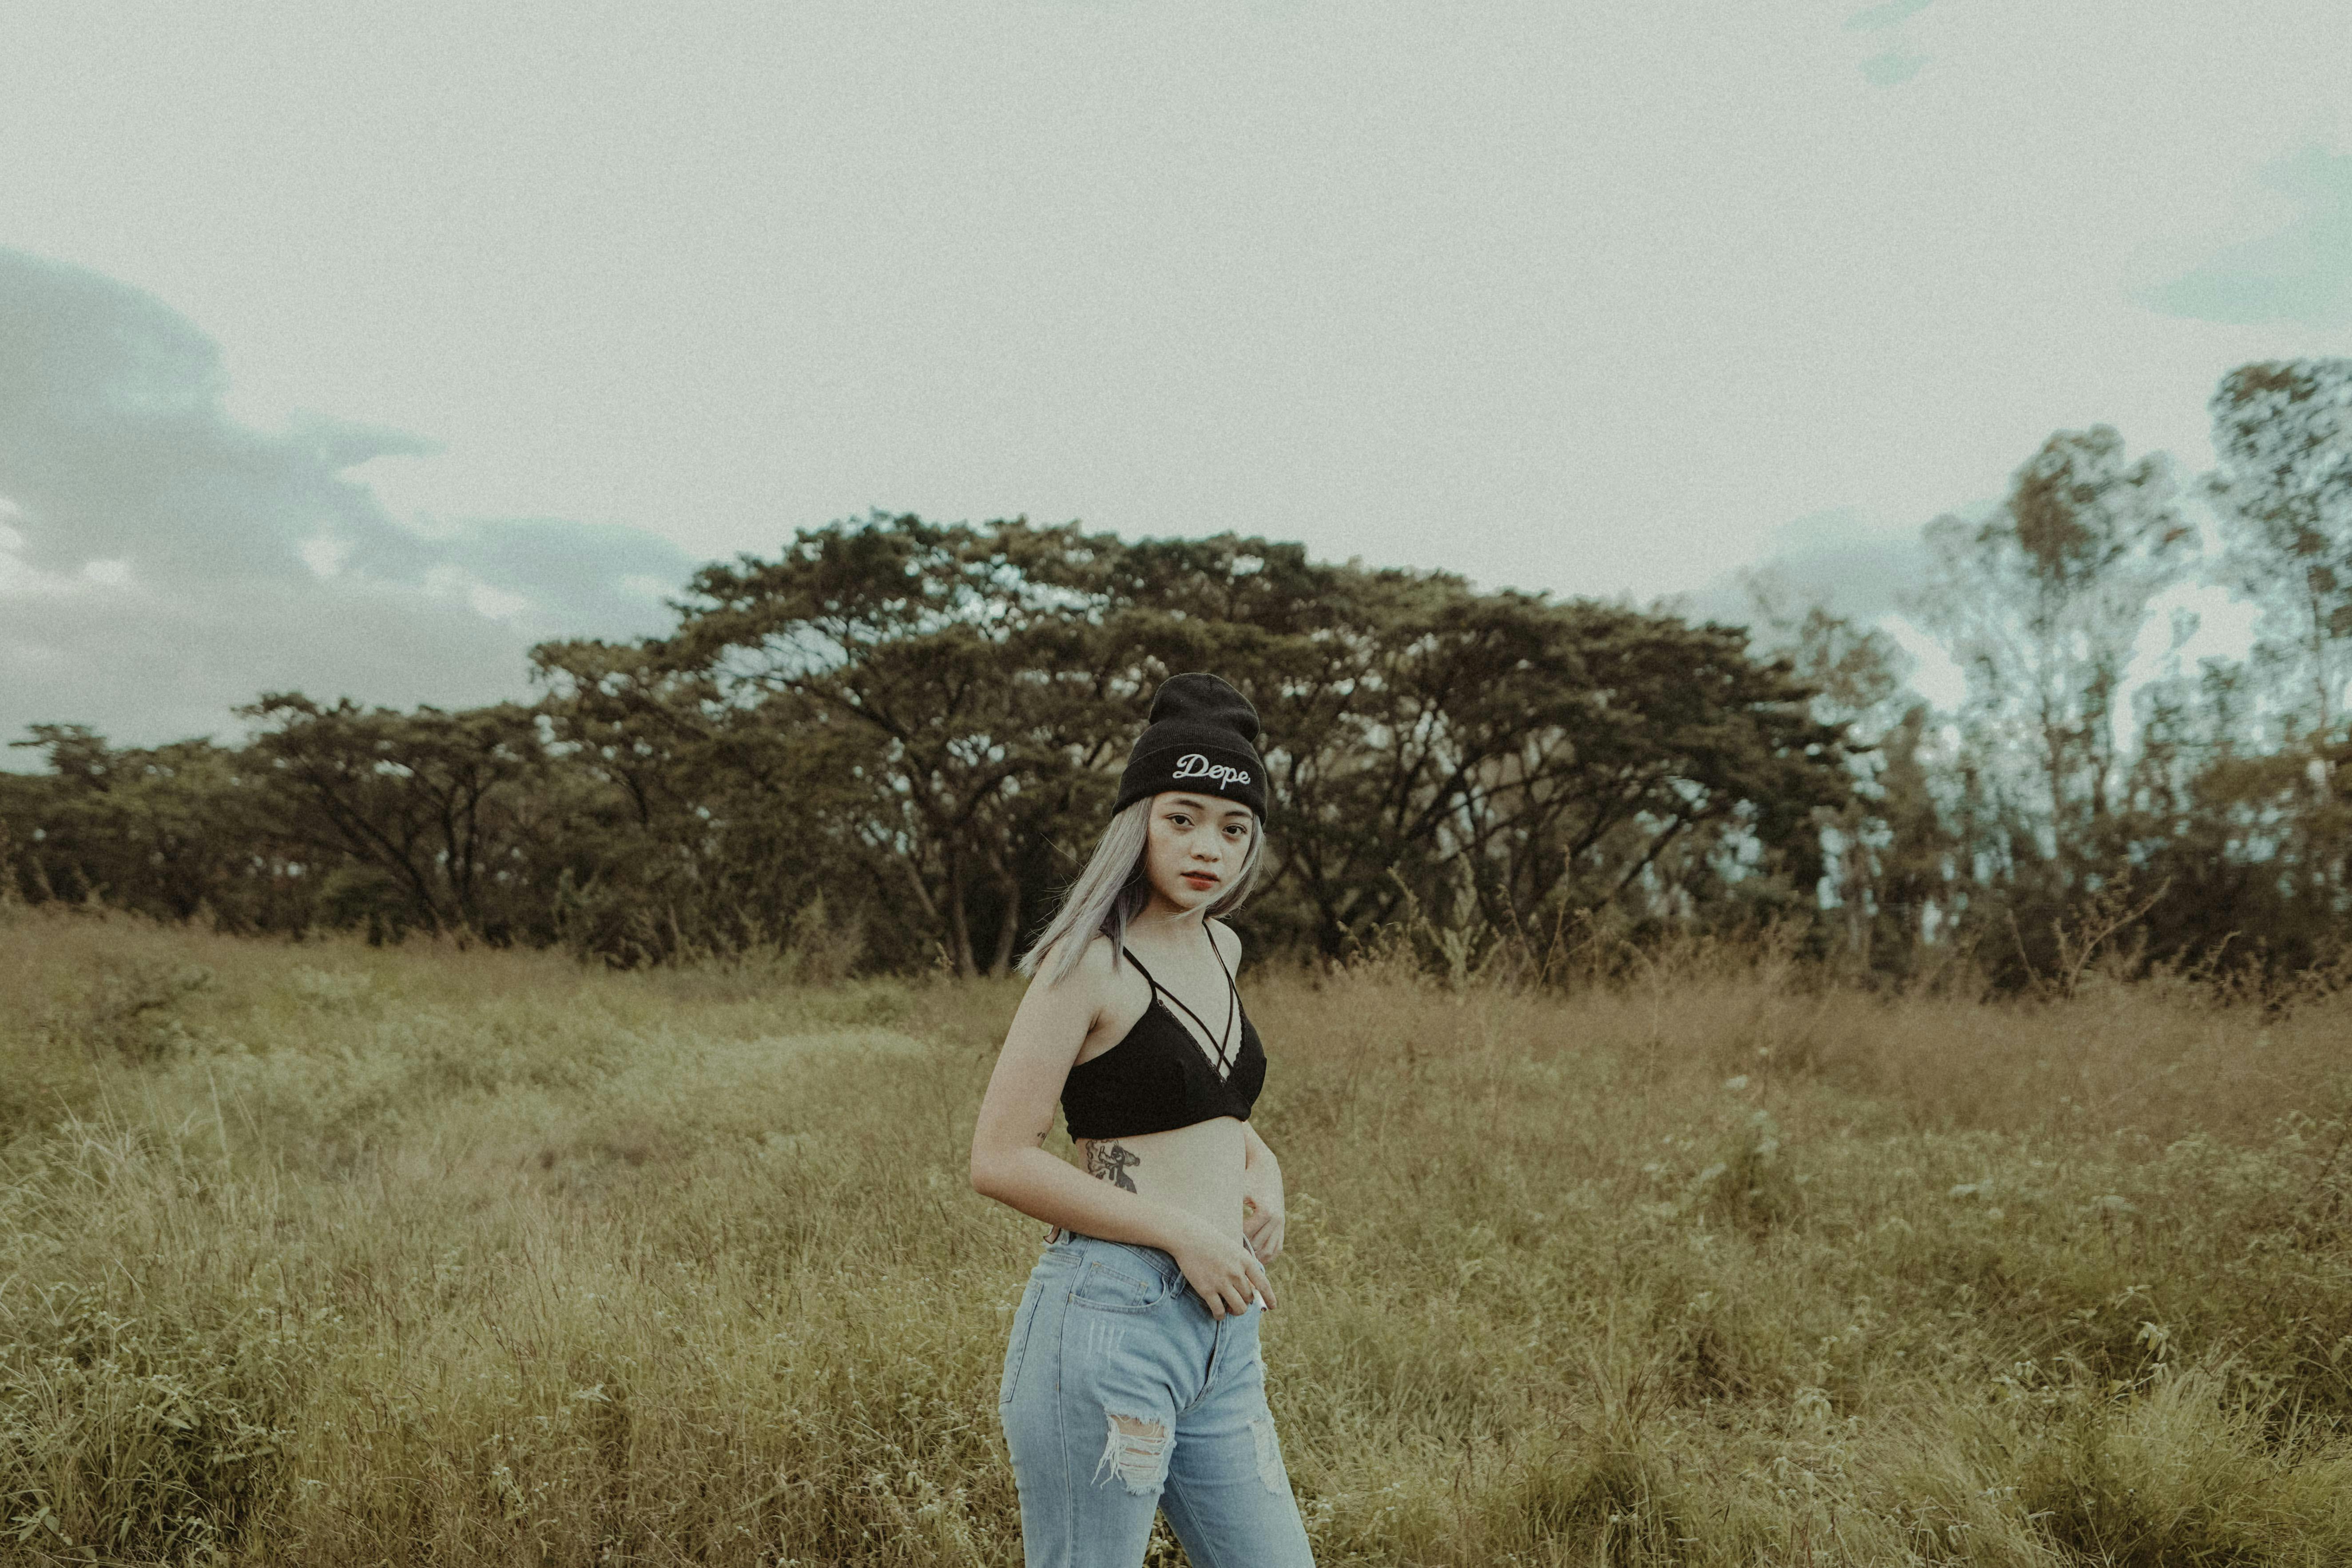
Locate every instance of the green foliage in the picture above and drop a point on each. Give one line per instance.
(2182, 1473)
(2282, 433)
(915, 728)
(2043, 604)
(124, 1436)
(428, 813)
(175, 832)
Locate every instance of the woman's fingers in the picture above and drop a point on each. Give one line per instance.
(1228, 1291)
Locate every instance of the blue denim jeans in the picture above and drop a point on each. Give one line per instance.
(1122, 1395)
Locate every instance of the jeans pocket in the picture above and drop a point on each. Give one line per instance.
(1107, 1288)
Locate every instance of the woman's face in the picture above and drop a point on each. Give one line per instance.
(1199, 843)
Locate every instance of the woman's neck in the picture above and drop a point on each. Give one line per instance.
(1161, 920)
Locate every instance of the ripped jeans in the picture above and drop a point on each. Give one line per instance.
(1121, 1396)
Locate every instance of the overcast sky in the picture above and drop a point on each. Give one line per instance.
(355, 349)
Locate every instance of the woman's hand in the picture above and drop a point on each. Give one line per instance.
(1262, 1215)
(1223, 1273)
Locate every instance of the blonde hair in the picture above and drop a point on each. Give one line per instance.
(1112, 890)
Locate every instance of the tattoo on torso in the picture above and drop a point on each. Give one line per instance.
(1111, 1161)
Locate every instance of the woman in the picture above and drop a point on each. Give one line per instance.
(1133, 1380)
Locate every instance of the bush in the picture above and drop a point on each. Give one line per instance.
(135, 1438)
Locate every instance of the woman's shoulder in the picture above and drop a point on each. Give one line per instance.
(1228, 940)
(1111, 990)
(1097, 969)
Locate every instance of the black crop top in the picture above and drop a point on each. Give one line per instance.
(1159, 1078)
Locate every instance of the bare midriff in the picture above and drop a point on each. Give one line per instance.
(1197, 1169)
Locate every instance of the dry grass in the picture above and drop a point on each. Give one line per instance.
(329, 1255)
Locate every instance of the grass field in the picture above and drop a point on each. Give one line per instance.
(327, 1255)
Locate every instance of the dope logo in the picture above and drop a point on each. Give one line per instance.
(1194, 765)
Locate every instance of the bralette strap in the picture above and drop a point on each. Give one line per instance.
(1148, 977)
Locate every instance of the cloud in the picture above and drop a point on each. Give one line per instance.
(1892, 69)
(1876, 16)
(160, 563)
(1841, 560)
(2300, 273)
(1894, 64)
(1836, 557)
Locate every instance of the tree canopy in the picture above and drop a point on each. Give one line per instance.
(895, 740)
(922, 724)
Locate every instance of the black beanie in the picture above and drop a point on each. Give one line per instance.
(1200, 738)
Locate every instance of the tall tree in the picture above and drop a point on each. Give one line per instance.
(171, 831)
(2248, 842)
(439, 807)
(2282, 488)
(954, 684)
(2043, 604)
(1890, 861)
(1498, 758)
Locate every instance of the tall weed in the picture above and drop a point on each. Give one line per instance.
(356, 1254)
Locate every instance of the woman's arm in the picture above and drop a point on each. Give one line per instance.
(1009, 1161)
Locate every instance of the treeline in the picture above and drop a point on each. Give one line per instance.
(887, 747)
(906, 735)
(2196, 816)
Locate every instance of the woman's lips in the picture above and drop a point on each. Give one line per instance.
(1199, 879)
